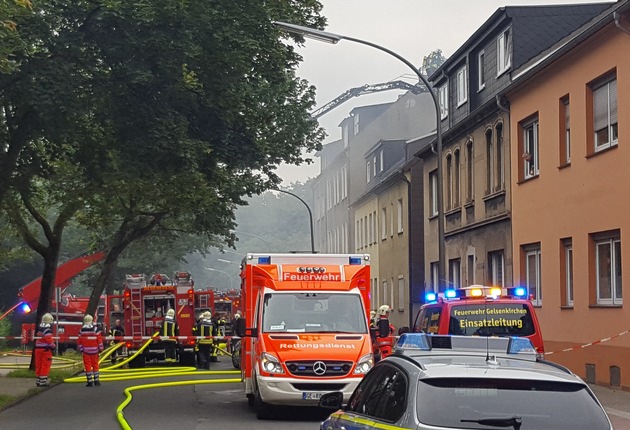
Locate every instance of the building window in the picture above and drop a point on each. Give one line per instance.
(462, 86)
(504, 52)
(481, 72)
(391, 220)
(565, 131)
(530, 148)
(401, 293)
(382, 158)
(345, 135)
(383, 223)
(489, 163)
(605, 112)
(449, 181)
(470, 267)
(433, 188)
(443, 98)
(533, 274)
(400, 215)
(367, 172)
(435, 287)
(469, 171)
(356, 123)
(375, 166)
(496, 268)
(454, 273)
(500, 162)
(566, 273)
(608, 269)
(456, 182)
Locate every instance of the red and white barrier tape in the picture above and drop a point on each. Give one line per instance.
(586, 345)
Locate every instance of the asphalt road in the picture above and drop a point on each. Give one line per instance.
(190, 407)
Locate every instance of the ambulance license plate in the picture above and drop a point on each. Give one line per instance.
(311, 396)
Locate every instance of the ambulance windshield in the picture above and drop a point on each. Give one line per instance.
(314, 312)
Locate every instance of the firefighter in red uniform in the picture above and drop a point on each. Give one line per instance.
(169, 329)
(44, 346)
(384, 332)
(205, 328)
(90, 344)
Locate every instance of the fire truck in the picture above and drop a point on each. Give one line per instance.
(67, 308)
(304, 327)
(144, 303)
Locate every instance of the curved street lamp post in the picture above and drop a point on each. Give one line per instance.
(225, 273)
(324, 36)
(310, 214)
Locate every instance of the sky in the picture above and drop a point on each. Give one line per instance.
(410, 28)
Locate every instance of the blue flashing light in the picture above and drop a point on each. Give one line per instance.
(430, 296)
(355, 261)
(25, 308)
(450, 294)
(264, 260)
(520, 292)
(416, 341)
(520, 345)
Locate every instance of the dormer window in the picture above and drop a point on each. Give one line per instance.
(504, 52)
(462, 86)
(443, 99)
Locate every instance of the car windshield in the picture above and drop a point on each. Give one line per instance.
(314, 312)
(473, 403)
(491, 319)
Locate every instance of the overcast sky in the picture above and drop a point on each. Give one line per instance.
(411, 28)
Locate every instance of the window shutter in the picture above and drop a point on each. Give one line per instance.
(600, 107)
(613, 101)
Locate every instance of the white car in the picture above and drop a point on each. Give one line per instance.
(458, 382)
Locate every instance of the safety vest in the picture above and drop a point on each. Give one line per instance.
(45, 337)
(169, 328)
(90, 340)
(206, 328)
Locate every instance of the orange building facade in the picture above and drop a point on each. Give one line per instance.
(570, 163)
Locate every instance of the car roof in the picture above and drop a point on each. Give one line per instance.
(441, 356)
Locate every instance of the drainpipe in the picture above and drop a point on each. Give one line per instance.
(502, 104)
(617, 18)
(409, 243)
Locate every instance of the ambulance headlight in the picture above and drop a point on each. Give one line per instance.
(270, 364)
(364, 364)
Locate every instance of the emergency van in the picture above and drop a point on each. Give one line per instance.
(481, 311)
(304, 327)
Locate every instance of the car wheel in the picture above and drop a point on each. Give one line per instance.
(263, 410)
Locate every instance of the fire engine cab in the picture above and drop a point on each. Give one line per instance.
(304, 327)
(480, 310)
(145, 305)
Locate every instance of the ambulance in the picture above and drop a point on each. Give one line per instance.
(304, 328)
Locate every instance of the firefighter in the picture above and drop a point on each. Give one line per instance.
(117, 331)
(44, 346)
(169, 330)
(90, 344)
(206, 328)
(385, 329)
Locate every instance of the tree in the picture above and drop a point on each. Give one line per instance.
(172, 111)
(432, 62)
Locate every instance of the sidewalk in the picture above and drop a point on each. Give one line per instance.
(616, 401)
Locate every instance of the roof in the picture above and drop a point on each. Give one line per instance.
(535, 29)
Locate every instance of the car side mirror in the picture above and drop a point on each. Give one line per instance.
(243, 331)
(332, 400)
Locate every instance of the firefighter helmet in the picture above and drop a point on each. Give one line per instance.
(207, 315)
(47, 318)
(372, 314)
(237, 316)
(88, 319)
(170, 313)
(383, 310)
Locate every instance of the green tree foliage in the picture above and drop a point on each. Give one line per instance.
(170, 112)
(432, 62)
(9, 32)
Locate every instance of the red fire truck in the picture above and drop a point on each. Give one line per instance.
(304, 328)
(67, 308)
(144, 304)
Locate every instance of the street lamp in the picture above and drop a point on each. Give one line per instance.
(225, 273)
(324, 36)
(253, 235)
(310, 215)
